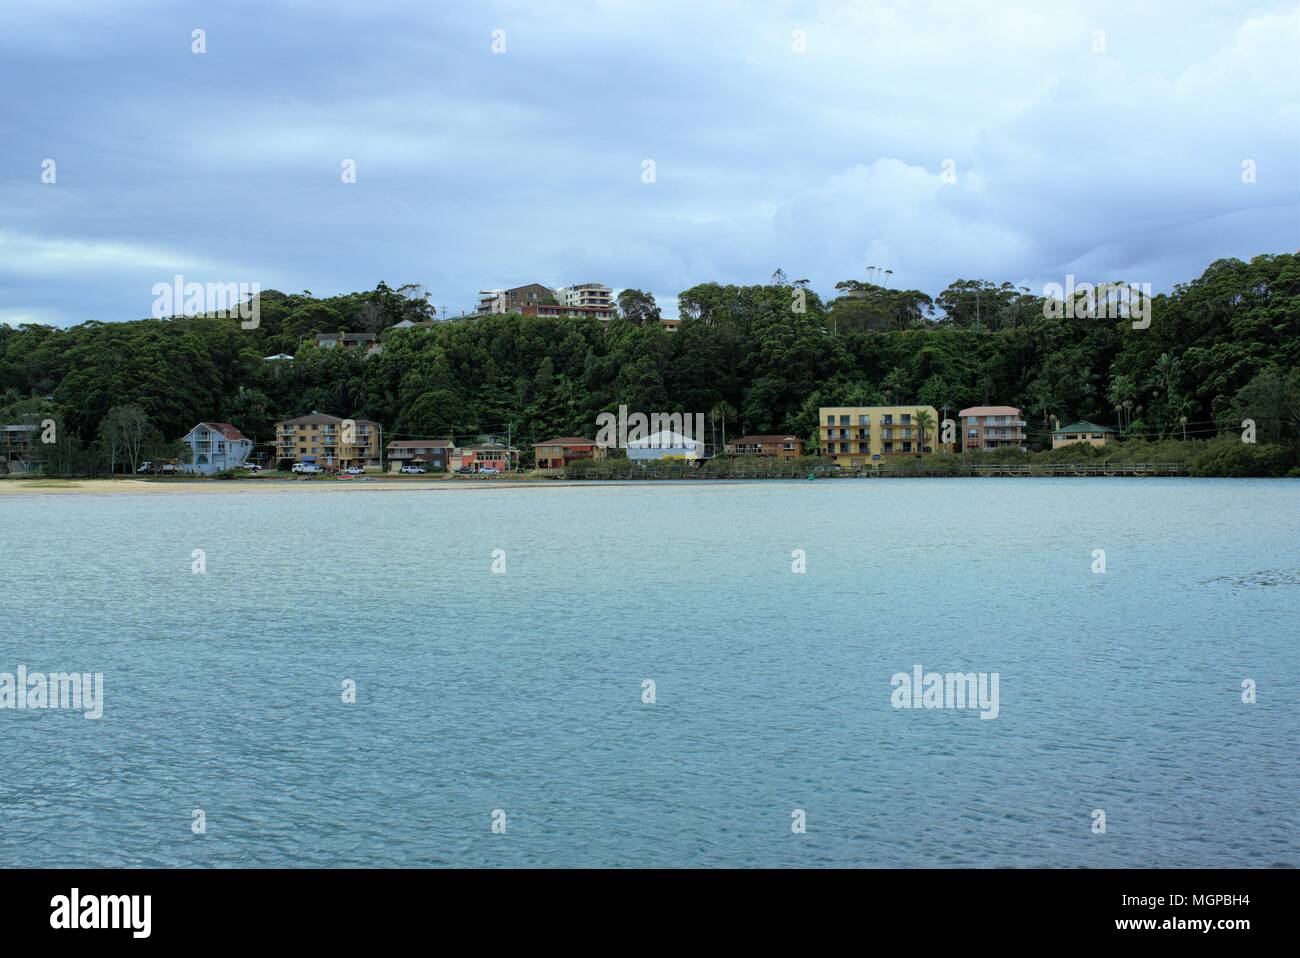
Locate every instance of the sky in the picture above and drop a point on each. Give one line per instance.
(653, 145)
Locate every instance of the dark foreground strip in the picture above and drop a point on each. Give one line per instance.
(644, 911)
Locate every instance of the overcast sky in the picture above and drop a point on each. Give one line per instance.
(479, 169)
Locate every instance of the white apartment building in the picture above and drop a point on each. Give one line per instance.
(586, 294)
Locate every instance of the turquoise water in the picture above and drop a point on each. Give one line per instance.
(523, 691)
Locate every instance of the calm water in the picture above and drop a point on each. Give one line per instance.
(522, 691)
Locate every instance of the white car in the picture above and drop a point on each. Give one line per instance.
(354, 470)
(251, 467)
(309, 468)
(413, 470)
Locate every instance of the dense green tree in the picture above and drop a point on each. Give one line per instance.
(1220, 348)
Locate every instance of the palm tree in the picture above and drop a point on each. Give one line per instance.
(1184, 408)
(1121, 393)
(924, 423)
(1167, 374)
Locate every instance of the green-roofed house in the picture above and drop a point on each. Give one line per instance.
(1085, 432)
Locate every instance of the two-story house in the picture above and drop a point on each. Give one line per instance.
(215, 447)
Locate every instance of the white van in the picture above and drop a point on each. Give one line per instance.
(306, 467)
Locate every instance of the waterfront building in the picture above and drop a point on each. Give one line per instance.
(215, 447)
(1085, 432)
(992, 427)
(665, 444)
(862, 435)
(489, 455)
(329, 442)
(433, 454)
(17, 440)
(778, 446)
(554, 454)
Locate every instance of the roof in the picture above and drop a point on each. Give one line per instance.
(421, 444)
(749, 440)
(359, 337)
(311, 417)
(566, 441)
(664, 439)
(1082, 426)
(991, 411)
(227, 430)
(490, 447)
(324, 418)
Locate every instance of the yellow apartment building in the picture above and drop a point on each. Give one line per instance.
(328, 441)
(862, 435)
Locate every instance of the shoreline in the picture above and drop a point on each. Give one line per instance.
(128, 487)
(125, 486)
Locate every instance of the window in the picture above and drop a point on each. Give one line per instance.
(907, 447)
(905, 418)
(844, 420)
(864, 420)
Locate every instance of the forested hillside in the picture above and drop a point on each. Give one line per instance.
(1219, 348)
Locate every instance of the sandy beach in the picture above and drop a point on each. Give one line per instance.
(126, 487)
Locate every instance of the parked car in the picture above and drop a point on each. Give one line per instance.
(412, 470)
(251, 467)
(489, 470)
(309, 468)
(144, 466)
(354, 470)
(464, 471)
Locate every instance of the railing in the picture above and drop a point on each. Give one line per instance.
(1081, 469)
(1066, 470)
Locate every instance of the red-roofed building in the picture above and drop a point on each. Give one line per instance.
(992, 427)
(216, 447)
